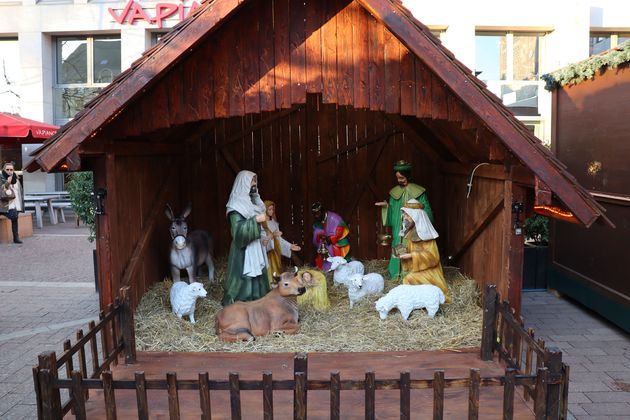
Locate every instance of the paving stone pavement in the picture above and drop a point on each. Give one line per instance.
(597, 352)
(47, 293)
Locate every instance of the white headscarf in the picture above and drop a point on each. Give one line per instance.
(248, 206)
(240, 200)
(423, 225)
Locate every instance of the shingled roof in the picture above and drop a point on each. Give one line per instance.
(183, 38)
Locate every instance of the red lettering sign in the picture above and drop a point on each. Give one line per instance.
(133, 11)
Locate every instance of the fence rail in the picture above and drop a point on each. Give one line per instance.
(538, 370)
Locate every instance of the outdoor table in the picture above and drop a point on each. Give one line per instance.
(45, 198)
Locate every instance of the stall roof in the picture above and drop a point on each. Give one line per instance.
(184, 37)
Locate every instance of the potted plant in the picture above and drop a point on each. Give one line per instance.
(536, 252)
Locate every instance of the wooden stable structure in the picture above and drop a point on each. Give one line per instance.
(589, 136)
(319, 98)
(512, 376)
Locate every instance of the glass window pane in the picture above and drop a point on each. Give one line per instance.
(598, 44)
(490, 57)
(526, 53)
(106, 59)
(68, 101)
(623, 38)
(71, 60)
(522, 98)
(10, 72)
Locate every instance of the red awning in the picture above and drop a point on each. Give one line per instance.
(18, 127)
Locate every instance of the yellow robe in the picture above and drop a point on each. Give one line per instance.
(424, 266)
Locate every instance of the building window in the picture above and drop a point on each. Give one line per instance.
(600, 42)
(509, 63)
(10, 71)
(83, 66)
(156, 37)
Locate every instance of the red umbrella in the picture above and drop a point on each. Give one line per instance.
(12, 127)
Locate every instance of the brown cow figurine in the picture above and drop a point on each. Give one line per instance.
(276, 311)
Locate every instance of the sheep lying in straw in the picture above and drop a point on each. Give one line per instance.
(316, 294)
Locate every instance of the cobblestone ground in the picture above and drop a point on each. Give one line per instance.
(597, 352)
(46, 294)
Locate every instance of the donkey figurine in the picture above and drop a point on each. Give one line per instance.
(188, 251)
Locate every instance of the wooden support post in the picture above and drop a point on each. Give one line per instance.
(508, 394)
(299, 396)
(488, 333)
(38, 395)
(51, 399)
(127, 326)
(553, 362)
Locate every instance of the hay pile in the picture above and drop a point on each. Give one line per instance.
(457, 325)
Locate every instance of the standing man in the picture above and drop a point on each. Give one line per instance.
(11, 203)
(246, 272)
(330, 236)
(398, 196)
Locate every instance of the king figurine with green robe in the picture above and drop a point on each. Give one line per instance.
(398, 196)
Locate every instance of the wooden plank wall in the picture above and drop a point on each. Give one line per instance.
(484, 259)
(316, 152)
(272, 53)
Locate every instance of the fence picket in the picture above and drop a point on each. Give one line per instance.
(473, 394)
(79, 400)
(540, 394)
(267, 395)
(508, 394)
(173, 397)
(82, 361)
(405, 395)
(104, 338)
(108, 393)
(69, 368)
(370, 396)
(335, 395)
(235, 396)
(141, 396)
(204, 396)
(564, 407)
(93, 346)
(438, 395)
(299, 396)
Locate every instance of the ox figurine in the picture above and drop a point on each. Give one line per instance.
(188, 251)
(276, 311)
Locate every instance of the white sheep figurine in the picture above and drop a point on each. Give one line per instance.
(343, 269)
(184, 297)
(361, 285)
(407, 298)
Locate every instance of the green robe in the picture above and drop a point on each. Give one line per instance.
(237, 286)
(392, 217)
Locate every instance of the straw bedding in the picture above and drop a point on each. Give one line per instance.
(340, 329)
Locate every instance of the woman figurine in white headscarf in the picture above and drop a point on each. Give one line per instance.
(421, 260)
(247, 262)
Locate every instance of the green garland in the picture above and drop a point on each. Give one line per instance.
(576, 73)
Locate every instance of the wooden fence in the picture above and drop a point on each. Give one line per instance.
(539, 371)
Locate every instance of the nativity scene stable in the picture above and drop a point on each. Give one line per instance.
(320, 100)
